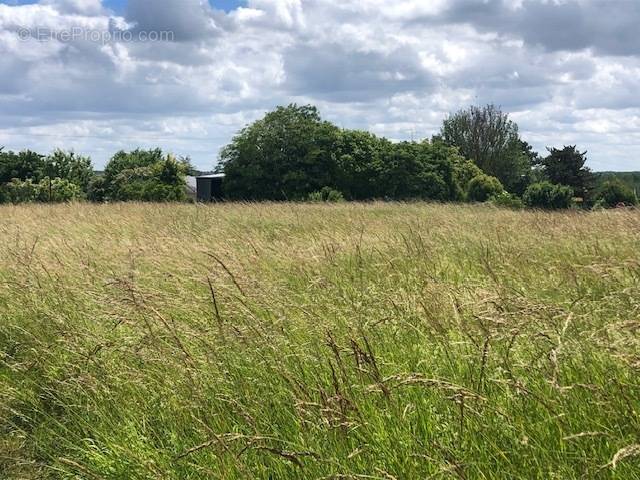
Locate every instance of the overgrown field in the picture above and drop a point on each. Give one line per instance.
(380, 341)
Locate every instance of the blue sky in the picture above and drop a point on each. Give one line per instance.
(567, 72)
(120, 5)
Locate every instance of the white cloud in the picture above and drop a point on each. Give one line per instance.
(395, 67)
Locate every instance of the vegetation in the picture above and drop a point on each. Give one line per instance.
(144, 175)
(483, 187)
(292, 154)
(487, 136)
(141, 175)
(630, 179)
(302, 341)
(507, 200)
(548, 196)
(567, 167)
(613, 193)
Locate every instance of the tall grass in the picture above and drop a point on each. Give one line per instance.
(381, 341)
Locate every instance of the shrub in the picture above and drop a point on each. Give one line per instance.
(507, 200)
(18, 191)
(614, 193)
(58, 190)
(142, 175)
(483, 187)
(548, 196)
(327, 194)
(466, 171)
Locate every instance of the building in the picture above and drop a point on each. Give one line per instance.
(209, 187)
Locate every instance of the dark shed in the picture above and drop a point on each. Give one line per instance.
(209, 187)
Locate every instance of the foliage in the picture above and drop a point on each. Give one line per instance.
(547, 195)
(630, 179)
(22, 166)
(292, 153)
(613, 193)
(507, 200)
(465, 171)
(285, 156)
(54, 190)
(487, 136)
(69, 166)
(24, 176)
(483, 187)
(142, 175)
(297, 341)
(97, 190)
(19, 191)
(566, 166)
(327, 194)
(359, 164)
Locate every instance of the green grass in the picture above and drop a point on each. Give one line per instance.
(381, 341)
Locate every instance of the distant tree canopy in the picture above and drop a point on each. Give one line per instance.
(615, 192)
(292, 153)
(142, 175)
(284, 156)
(491, 140)
(567, 167)
(29, 177)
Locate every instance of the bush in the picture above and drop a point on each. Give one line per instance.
(548, 196)
(27, 191)
(18, 191)
(483, 187)
(507, 200)
(327, 194)
(614, 193)
(142, 175)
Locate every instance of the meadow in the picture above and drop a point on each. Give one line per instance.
(290, 341)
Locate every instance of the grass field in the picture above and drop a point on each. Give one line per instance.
(380, 341)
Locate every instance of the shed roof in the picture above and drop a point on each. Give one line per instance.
(213, 175)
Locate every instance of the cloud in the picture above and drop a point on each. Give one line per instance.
(568, 71)
(556, 25)
(185, 19)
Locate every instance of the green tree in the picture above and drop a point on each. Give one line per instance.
(286, 155)
(614, 192)
(69, 166)
(142, 175)
(487, 136)
(20, 191)
(547, 195)
(483, 187)
(359, 165)
(22, 166)
(566, 166)
(419, 170)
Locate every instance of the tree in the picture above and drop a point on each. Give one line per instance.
(359, 165)
(483, 187)
(74, 168)
(419, 170)
(22, 166)
(487, 136)
(613, 193)
(547, 195)
(566, 166)
(285, 156)
(142, 175)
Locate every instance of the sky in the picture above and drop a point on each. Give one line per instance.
(98, 76)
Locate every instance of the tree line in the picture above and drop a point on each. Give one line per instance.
(292, 154)
(140, 175)
(478, 156)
